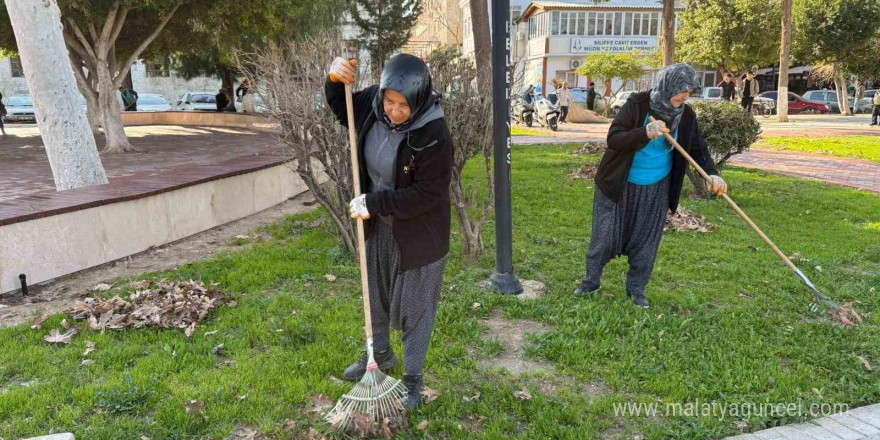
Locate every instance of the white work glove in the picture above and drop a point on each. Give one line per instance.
(358, 207)
(717, 185)
(342, 70)
(656, 129)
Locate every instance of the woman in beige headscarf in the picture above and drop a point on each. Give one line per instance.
(564, 101)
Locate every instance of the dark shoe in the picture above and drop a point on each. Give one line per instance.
(586, 290)
(414, 384)
(386, 361)
(639, 300)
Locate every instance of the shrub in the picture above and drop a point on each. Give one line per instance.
(727, 128)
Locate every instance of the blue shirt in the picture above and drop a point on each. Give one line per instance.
(652, 163)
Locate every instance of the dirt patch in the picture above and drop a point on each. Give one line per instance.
(551, 386)
(532, 290)
(584, 172)
(53, 296)
(685, 220)
(513, 335)
(15, 382)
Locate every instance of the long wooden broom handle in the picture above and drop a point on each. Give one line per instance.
(355, 173)
(733, 204)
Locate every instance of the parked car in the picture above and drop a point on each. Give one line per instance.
(20, 108)
(827, 97)
(866, 104)
(152, 102)
(619, 100)
(796, 104)
(259, 106)
(197, 101)
(708, 94)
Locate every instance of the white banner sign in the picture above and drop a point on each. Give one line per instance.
(612, 44)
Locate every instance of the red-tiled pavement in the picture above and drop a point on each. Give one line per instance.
(855, 173)
(170, 157)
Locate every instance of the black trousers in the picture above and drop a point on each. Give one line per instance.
(590, 104)
(875, 117)
(564, 113)
(747, 103)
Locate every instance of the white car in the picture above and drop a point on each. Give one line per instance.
(259, 106)
(20, 108)
(152, 102)
(197, 101)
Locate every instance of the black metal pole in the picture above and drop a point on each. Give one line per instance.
(503, 279)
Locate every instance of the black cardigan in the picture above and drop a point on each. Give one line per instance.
(627, 135)
(419, 203)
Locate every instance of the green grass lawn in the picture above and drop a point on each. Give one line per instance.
(855, 147)
(517, 130)
(728, 323)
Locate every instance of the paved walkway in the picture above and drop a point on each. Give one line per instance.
(857, 424)
(854, 173)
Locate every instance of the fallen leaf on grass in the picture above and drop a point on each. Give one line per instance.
(56, 337)
(473, 398)
(866, 363)
(38, 322)
(90, 347)
(335, 380)
(607, 293)
(330, 277)
(685, 220)
(64, 324)
(242, 397)
(584, 172)
(819, 268)
(523, 394)
(103, 287)
(142, 284)
(847, 315)
(476, 306)
(195, 407)
(429, 395)
(218, 350)
(242, 237)
(289, 425)
(212, 332)
(422, 425)
(190, 329)
(86, 362)
(320, 403)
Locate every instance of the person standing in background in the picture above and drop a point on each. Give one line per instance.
(749, 91)
(591, 96)
(564, 101)
(728, 88)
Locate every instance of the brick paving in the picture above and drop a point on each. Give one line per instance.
(856, 424)
(854, 173)
(170, 157)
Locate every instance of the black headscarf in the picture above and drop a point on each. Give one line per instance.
(672, 80)
(409, 76)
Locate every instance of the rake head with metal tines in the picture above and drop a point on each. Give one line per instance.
(375, 397)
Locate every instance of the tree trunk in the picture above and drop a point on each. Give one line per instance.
(127, 83)
(472, 235)
(784, 55)
(228, 86)
(840, 83)
(69, 143)
(701, 189)
(482, 44)
(667, 34)
(111, 113)
(93, 115)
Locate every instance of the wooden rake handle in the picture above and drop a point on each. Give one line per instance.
(355, 174)
(736, 208)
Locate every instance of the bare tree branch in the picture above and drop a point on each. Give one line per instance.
(120, 21)
(117, 81)
(82, 38)
(74, 46)
(103, 44)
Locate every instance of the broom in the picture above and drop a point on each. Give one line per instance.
(377, 396)
(844, 313)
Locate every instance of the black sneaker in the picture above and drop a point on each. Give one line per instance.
(639, 300)
(386, 361)
(586, 290)
(414, 384)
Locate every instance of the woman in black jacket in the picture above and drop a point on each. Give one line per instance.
(405, 152)
(640, 178)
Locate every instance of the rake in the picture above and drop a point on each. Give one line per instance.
(377, 395)
(844, 313)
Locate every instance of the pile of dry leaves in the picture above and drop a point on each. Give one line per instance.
(591, 147)
(585, 172)
(164, 304)
(684, 220)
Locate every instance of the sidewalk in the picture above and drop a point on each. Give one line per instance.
(861, 174)
(857, 424)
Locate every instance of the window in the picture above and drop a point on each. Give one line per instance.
(627, 23)
(654, 27)
(15, 67)
(714, 93)
(591, 23)
(151, 99)
(582, 19)
(554, 26)
(203, 99)
(618, 23)
(563, 23)
(637, 23)
(600, 23)
(609, 23)
(156, 70)
(20, 101)
(533, 27)
(572, 23)
(709, 80)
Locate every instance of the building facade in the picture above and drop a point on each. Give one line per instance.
(439, 25)
(553, 38)
(467, 46)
